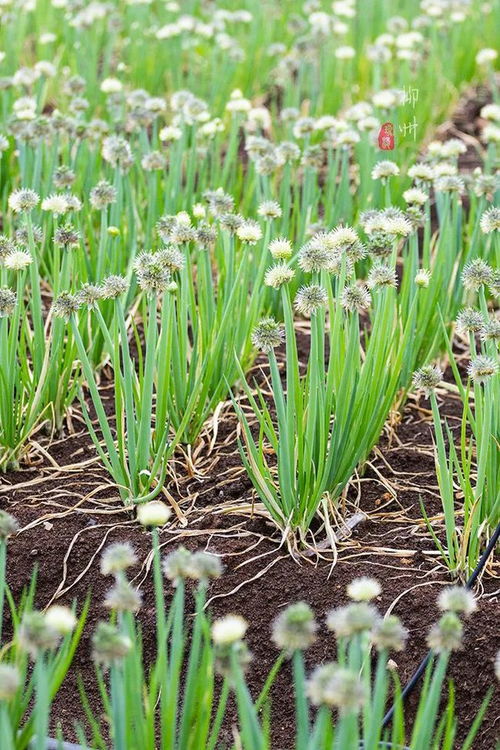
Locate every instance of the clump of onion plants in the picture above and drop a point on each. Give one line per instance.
(471, 463)
(341, 703)
(327, 419)
(174, 703)
(217, 265)
(136, 452)
(35, 659)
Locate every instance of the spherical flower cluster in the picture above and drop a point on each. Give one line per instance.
(427, 378)
(295, 628)
(490, 330)
(316, 255)
(476, 274)
(249, 232)
(67, 236)
(482, 368)
(123, 597)
(65, 305)
(381, 275)
(333, 685)
(17, 260)
(457, 599)
(206, 235)
(270, 210)
(153, 513)
(8, 525)
(490, 220)
(399, 226)
(278, 275)
(102, 195)
(61, 619)
(8, 301)
(449, 184)
(116, 150)
(344, 239)
(153, 276)
(23, 200)
(421, 173)
(389, 634)
(363, 589)
(494, 283)
(356, 298)
(446, 634)
(36, 635)
(177, 565)
(486, 185)
(89, 295)
(170, 133)
(117, 558)
(152, 161)
(351, 619)
(204, 566)
(267, 335)
(114, 286)
(172, 258)
(385, 169)
(10, 681)
(228, 630)
(280, 248)
(56, 203)
(416, 196)
(469, 320)
(109, 646)
(309, 299)
(422, 278)
(486, 56)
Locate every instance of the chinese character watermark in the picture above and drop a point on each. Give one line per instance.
(409, 128)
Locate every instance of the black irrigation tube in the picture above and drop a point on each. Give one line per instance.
(412, 683)
(408, 688)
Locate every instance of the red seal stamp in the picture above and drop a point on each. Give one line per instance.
(386, 137)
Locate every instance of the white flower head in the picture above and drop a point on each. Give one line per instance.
(249, 232)
(457, 599)
(486, 56)
(17, 260)
(61, 619)
(363, 589)
(422, 278)
(111, 86)
(23, 200)
(153, 513)
(228, 630)
(415, 196)
(57, 203)
(280, 248)
(385, 169)
(278, 275)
